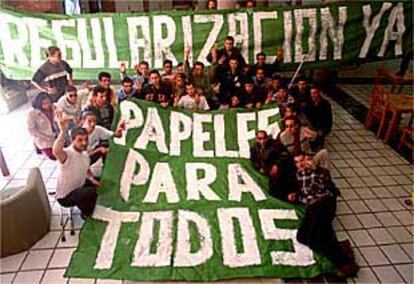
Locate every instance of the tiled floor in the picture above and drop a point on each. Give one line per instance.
(374, 181)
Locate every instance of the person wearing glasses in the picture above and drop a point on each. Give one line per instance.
(70, 106)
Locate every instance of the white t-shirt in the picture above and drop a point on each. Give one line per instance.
(72, 172)
(98, 134)
(189, 102)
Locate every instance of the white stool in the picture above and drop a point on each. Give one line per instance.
(64, 221)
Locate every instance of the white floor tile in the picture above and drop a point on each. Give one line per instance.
(48, 241)
(407, 272)
(61, 258)
(366, 275)
(37, 259)
(387, 219)
(387, 274)
(54, 276)
(381, 236)
(374, 256)
(81, 281)
(400, 234)
(395, 254)
(368, 220)
(12, 263)
(7, 278)
(29, 277)
(361, 238)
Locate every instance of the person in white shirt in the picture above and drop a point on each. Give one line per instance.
(76, 185)
(193, 100)
(70, 107)
(98, 136)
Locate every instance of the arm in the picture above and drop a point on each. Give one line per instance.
(57, 149)
(92, 179)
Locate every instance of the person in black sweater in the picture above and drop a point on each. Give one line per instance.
(318, 113)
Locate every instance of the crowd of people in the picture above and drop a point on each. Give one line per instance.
(73, 127)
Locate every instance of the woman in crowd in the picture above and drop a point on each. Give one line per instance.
(41, 124)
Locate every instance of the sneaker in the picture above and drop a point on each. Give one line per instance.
(347, 270)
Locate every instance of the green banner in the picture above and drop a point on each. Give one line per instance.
(180, 200)
(324, 35)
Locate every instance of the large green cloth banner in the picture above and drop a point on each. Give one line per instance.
(325, 35)
(181, 201)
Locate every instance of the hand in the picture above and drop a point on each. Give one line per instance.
(221, 60)
(291, 197)
(279, 54)
(214, 52)
(164, 104)
(70, 82)
(273, 171)
(103, 150)
(122, 68)
(138, 84)
(122, 126)
(95, 182)
(61, 120)
(186, 54)
(87, 85)
(262, 171)
(216, 88)
(51, 91)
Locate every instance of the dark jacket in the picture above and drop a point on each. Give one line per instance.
(223, 53)
(320, 116)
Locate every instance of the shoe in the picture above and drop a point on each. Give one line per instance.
(346, 249)
(347, 270)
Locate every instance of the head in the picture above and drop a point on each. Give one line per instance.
(212, 5)
(154, 77)
(180, 68)
(143, 68)
(235, 101)
(167, 67)
(42, 102)
(229, 43)
(315, 95)
(261, 59)
(71, 94)
(248, 86)
(310, 163)
(250, 4)
(276, 81)
(290, 111)
(233, 64)
(99, 93)
(260, 74)
(79, 139)
(198, 69)
(127, 85)
(189, 89)
(302, 84)
(179, 80)
(292, 125)
(89, 121)
(282, 93)
(54, 54)
(261, 137)
(300, 161)
(104, 79)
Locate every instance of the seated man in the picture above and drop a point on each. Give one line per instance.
(157, 91)
(297, 139)
(301, 93)
(260, 151)
(319, 114)
(317, 194)
(252, 96)
(127, 90)
(192, 100)
(72, 188)
(98, 136)
(99, 105)
(70, 106)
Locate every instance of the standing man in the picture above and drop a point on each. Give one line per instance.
(54, 75)
(76, 186)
